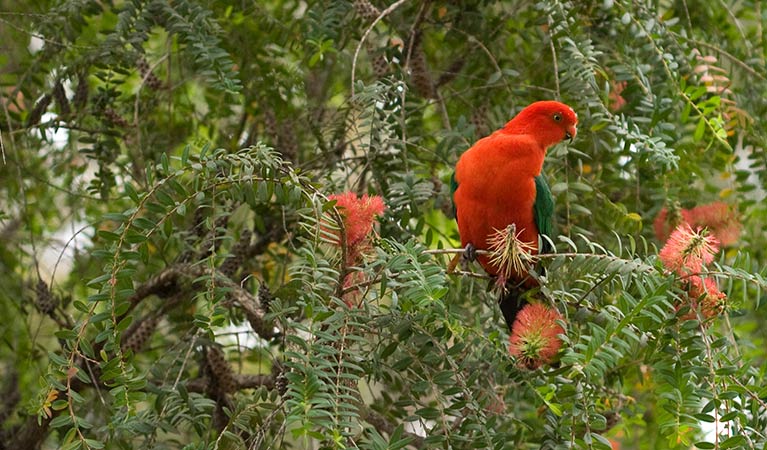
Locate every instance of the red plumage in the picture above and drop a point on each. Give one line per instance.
(496, 176)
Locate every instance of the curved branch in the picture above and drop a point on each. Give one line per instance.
(383, 14)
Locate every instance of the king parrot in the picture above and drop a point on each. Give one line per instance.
(498, 182)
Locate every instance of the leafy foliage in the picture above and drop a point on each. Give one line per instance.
(171, 261)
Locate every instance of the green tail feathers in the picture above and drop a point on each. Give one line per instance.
(543, 212)
(453, 188)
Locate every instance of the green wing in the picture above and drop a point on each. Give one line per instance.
(543, 212)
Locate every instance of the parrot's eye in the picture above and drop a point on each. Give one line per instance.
(557, 117)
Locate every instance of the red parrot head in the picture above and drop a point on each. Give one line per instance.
(549, 121)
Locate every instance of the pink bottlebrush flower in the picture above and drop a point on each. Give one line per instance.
(704, 295)
(358, 213)
(686, 251)
(666, 221)
(534, 335)
(718, 217)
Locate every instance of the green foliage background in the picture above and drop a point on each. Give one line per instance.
(164, 261)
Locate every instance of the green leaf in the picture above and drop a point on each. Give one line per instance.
(733, 442)
(108, 235)
(700, 129)
(131, 191)
(63, 420)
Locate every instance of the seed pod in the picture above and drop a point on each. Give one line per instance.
(150, 79)
(281, 383)
(366, 10)
(80, 98)
(45, 301)
(420, 74)
(60, 95)
(479, 120)
(114, 117)
(380, 65)
(255, 315)
(136, 337)
(238, 254)
(142, 65)
(223, 374)
(39, 110)
(265, 297)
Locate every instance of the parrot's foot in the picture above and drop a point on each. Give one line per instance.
(469, 253)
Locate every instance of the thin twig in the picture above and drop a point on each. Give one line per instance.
(2, 147)
(383, 14)
(452, 251)
(473, 39)
(725, 53)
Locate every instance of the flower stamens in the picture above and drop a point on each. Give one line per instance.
(509, 253)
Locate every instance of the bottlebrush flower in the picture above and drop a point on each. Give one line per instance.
(358, 213)
(705, 296)
(718, 217)
(509, 253)
(534, 335)
(667, 220)
(686, 251)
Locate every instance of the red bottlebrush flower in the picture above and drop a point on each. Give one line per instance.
(686, 251)
(666, 221)
(705, 297)
(718, 217)
(358, 213)
(534, 335)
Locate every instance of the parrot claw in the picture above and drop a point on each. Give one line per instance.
(469, 254)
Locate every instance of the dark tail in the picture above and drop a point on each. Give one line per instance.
(511, 302)
(513, 297)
